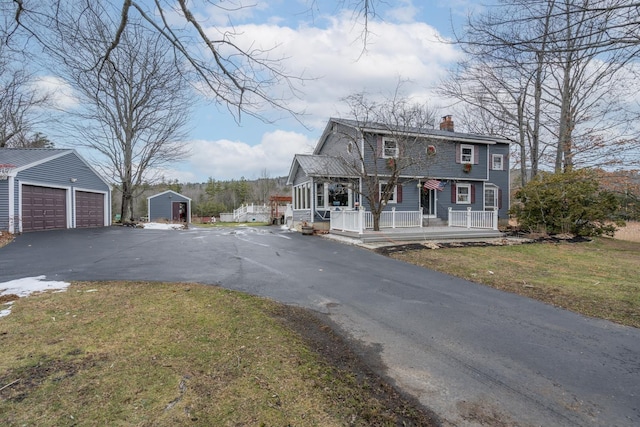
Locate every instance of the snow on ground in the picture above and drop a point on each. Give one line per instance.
(26, 286)
(159, 226)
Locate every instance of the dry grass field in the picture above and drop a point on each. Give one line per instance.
(631, 232)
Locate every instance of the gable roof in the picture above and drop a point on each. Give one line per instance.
(320, 165)
(169, 191)
(25, 158)
(382, 129)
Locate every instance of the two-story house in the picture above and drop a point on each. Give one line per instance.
(436, 172)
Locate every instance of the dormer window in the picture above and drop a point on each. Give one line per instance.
(389, 148)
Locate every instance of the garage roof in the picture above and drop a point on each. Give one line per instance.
(25, 158)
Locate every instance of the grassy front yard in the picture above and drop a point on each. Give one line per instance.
(145, 354)
(599, 278)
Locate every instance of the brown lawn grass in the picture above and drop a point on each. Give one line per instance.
(150, 354)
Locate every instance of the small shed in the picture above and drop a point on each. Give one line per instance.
(169, 206)
(49, 188)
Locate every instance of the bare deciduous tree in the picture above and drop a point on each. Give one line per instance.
(134, 107)
(551, 71)
(380, 165)
(244, 76)
(19, 103)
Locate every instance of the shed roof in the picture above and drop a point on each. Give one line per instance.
(169, 191)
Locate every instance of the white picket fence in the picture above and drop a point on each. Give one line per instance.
(359, 220)
(473, 219)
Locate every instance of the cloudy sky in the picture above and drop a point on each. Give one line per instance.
(323, 45)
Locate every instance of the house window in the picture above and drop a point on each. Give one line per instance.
(389, 148)
(302, 196)
(333, 195)
(490, 197)
(463, 194)
(497, 162)
(393, 197)
(338, 194)
(466, 153)
(320, 196)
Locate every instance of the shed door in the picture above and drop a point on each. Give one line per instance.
(89, 209)
(43, 208)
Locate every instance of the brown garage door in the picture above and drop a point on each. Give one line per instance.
(43, 208)
(89, 209)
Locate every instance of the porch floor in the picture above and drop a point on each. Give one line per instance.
(420, 234)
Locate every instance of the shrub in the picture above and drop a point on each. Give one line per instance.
(570, 202)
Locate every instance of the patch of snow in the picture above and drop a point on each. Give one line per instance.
(28, 285)
(160, 226)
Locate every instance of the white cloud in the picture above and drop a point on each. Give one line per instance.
(225, 159)
(59, 92)
(404, 11)
(335, 65)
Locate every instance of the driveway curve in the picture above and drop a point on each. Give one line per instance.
(472, 354)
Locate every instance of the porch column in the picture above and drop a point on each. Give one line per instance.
(495, 218)
(469, 217)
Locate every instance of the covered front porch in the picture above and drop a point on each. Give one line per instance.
(405, 225)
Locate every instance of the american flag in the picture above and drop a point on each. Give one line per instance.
(434, 184)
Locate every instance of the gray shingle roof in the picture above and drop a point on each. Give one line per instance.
(21, 157)
(321, 165)
(441, 134)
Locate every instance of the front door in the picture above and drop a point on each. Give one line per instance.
(428, 202)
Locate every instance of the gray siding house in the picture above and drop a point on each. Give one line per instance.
(444, 171)
(48, 189)
(169, 206)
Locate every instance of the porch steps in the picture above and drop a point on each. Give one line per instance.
(433, 233)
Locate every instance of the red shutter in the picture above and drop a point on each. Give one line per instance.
(379, 147)
(476, 155)
(458, 153)
(399, 193)
(473, 193)
(499, 198)
(453, 194)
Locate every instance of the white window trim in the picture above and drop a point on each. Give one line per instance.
(394, 196)
(468, 187)
(384, 150)
(495, 157)
(462, 148)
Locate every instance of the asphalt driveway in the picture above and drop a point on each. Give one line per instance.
(474, 355)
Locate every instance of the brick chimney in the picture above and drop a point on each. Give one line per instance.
(446, 123)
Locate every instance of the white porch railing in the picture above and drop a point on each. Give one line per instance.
(359, 220)
(395, 219)
(473, 219)
(243, 211)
